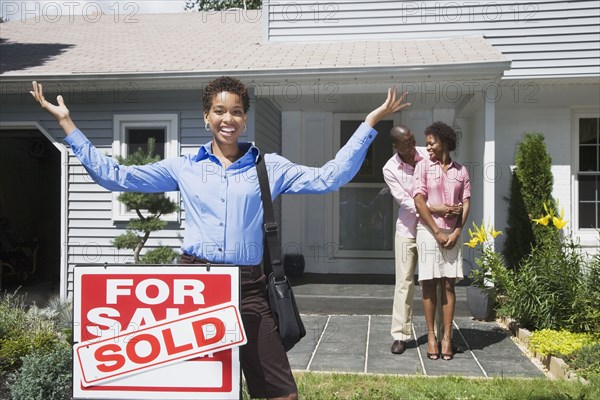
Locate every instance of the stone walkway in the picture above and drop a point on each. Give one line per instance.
(355, 336)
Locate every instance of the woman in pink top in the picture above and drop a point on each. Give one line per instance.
(439, 181)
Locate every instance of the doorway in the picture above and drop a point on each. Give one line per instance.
(30, 212)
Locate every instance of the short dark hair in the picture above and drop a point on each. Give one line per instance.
(225, 84)
(444, 133)
(399, 131)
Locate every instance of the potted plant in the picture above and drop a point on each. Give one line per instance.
(491, 275)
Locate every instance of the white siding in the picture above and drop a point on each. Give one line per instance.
(268, 138)
(544, 38)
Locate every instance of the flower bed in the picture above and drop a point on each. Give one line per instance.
(555, 365)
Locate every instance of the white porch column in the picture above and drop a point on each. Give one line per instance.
(489, 161)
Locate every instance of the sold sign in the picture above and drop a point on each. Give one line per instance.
(156, 332)
(189, 336)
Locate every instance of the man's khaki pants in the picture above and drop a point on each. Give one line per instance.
(406, 258)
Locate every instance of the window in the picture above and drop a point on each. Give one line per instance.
(364, 210)
(588, 175)
(132, 132)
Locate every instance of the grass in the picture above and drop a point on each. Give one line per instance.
(328, 386)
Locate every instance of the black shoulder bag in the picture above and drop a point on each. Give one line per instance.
(281, 297)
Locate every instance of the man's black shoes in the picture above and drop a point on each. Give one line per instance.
(398, 347)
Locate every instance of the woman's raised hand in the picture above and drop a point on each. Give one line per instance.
(60, 112)
(392, 104)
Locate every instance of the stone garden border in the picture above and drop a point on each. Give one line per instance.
(556, 366)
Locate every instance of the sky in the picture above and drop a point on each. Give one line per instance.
(16, 10)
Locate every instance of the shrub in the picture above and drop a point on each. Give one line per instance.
(586, 317)
(154, 205)
(12, 350)
(586, 361)
(160, 255)
(544, 292)
(25, 331)
(529, 193)
(559, 343)
(45, 375)
(12, 313)
(519, 233)
(20, 332)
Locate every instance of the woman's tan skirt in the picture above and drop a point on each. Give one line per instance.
(435, 261)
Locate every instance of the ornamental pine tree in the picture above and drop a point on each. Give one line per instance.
(531, 188)
(149, 207)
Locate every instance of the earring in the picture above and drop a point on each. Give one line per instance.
(245, 126)
(207, 126)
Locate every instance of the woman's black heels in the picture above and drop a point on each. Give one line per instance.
(433, 356)
(446, 356)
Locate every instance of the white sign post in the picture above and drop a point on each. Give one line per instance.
(148, 332)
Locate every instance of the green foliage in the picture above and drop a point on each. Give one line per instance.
(160, 255)
(544, 291)
(215, 5)
(128, 240)
(33, 341)
(519, 231)
(561, 343)
(12, 313)
(141, 157)
(149, 207)
(586, 361)
(45, 375)
(491, 274)
(12, 350)
(148, 224)
(154, 203)
(531, 189)
(587, 302)
(23, 331)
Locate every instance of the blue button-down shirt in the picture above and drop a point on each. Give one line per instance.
(223, 207)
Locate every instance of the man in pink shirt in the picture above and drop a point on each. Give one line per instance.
(398, 174)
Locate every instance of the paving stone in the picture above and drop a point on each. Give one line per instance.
(343, 345)
(380, 358)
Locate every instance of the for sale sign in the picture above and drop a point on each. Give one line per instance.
(147, 332)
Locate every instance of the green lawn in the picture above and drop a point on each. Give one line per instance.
(327, 386)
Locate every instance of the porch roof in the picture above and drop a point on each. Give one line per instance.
(204, 45)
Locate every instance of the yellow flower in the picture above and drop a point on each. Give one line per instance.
(542, 221)
(559, 223)
(480, 232)
(494, 232)
(472, 243)
(549, 211)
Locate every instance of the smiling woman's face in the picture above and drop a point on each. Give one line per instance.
(435, 147)
(226, 118)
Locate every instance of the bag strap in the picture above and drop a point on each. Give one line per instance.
(272, 254)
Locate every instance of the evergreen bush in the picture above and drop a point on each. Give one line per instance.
(519, 232)
(45, 375)
(154, 204)
(531, 189)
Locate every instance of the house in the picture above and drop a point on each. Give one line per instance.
(492, 70)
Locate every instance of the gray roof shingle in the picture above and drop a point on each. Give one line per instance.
(196, 42)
